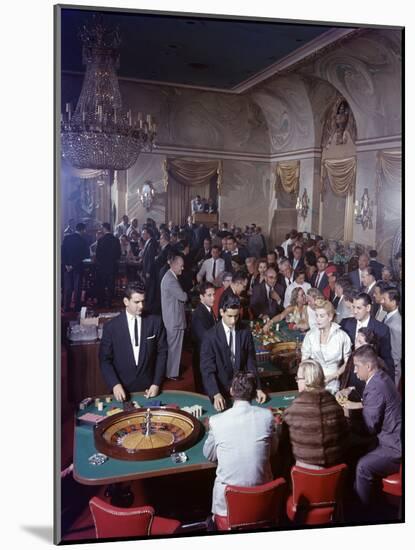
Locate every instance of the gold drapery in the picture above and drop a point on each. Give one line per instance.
(288, 174)
(388, 168)
(183, 179)
(192, 172)
(341, 174)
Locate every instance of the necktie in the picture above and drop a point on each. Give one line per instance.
(214, 270)
(230, 346)
(136, 332)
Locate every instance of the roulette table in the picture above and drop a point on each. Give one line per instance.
(117, 469)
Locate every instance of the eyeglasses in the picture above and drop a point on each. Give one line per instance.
(297, 378)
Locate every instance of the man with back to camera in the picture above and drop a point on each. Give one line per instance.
(173, 299)
(133, 350)
(108, 252)
(227, 349)
(247, 464)
(362, 305)
(74, 251)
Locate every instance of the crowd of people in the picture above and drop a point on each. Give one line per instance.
(351, 321)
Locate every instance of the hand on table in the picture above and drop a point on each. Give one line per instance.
(119, 392)
(266, 327)
(261, 397)
(219, 402)
(152, 391)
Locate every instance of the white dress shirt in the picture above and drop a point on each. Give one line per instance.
(380, 314)
(361, 324)
(130, 321)
(206, 271)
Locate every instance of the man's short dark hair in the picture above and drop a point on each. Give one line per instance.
(373, 253)
(366, 299)
(231, 238)
(149, 230)
(106, 226)
(393, 294)
(231, 302)
(367, 354)
(239, 277)
(80, 226)
(217, 247)
(300, 272)
(272, 252)
(324, 258)
(298, 247)
(383, 285)
(244, 386)
(136, 287)
(203, 287)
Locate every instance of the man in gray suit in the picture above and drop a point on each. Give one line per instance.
(391, 300)
(173, 299)
(241, 440)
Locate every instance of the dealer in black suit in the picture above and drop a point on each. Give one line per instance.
(227, 349)
(133, 351)
(203, 318)
(362, 305)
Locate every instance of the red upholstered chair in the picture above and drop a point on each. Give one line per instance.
(392, 485)
(316, 495)
(112, 521)
(252, 507)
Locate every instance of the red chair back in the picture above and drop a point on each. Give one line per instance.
(250, 507)
(112, 521)
(315, 493)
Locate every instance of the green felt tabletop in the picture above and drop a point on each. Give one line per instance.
(123, 470)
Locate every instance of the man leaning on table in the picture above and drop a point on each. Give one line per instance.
(133, 351)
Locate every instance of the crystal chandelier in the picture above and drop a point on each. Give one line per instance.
(100, 134)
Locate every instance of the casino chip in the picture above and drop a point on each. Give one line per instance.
(97, 459)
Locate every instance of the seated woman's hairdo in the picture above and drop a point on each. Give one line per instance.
(315, 293)
(313, 374)
(294, 295)
(244, 386)
(322, 303)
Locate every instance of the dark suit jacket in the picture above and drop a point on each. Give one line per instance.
(300, 265)
(149, 256)
(161, 260)
(74, 250)
(355, 279)
(215, 360)
(108, 253)
(377, 267)
(116, 355)
(202, 321)
(260, 304)
(323, 283)
(382, 413)
(383, 335)
(238, 258)
(281, 281)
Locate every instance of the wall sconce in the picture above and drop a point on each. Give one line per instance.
(146, 195)
(303, 204)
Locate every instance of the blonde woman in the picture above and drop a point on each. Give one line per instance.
(295, 313)
(312, 295)
(327, 344)
(316, 422)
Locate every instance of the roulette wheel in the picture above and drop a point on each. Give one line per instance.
(147, 434)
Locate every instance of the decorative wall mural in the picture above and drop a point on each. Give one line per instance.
(339, 125)
(364, 210)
